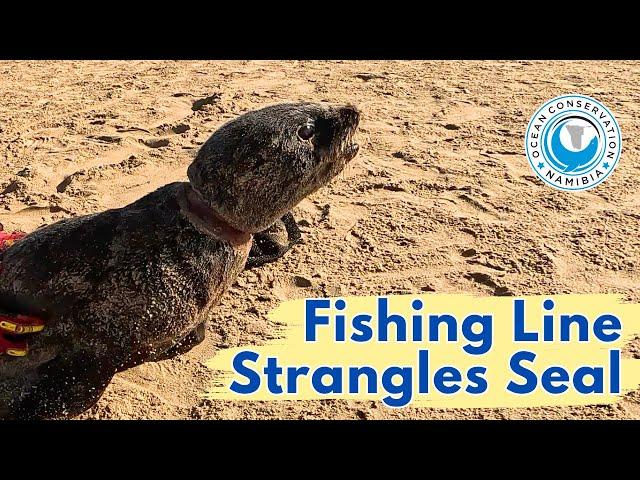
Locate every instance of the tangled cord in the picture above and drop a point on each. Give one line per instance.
(13, 326)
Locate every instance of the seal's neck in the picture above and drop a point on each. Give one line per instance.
(201, 214)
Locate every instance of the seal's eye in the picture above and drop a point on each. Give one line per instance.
(306, 131)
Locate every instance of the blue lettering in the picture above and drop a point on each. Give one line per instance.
(311, 319)
(530, 377)
(520, 335)
(404, 389)
(252, 376)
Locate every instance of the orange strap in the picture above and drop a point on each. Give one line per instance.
(15, 324)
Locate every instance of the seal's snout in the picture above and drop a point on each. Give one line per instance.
(350, 118)
(350, 114)
(351, 151)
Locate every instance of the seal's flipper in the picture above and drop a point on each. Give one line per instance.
(63, 387)
(272, 243)
(293, 232)
(195, 337)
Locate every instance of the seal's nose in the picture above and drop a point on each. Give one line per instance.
(351, 114)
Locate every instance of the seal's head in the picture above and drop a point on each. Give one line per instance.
(255, 168)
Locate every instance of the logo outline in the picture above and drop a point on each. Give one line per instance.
(587, 113)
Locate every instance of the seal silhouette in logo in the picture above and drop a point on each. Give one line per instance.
(573, 142)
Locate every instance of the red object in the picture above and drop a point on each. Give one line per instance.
(12, 325)
(8, 239)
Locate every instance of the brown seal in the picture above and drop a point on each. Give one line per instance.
(136, 284)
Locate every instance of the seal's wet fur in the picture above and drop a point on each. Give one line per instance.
(136, 284)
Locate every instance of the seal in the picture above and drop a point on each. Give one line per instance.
(136, 284)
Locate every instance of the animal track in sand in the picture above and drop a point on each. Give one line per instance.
(488, 280)
(464, 112)
(125, 166)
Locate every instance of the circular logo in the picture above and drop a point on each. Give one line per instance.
(573, 142)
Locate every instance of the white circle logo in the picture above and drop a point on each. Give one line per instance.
(573, 142)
